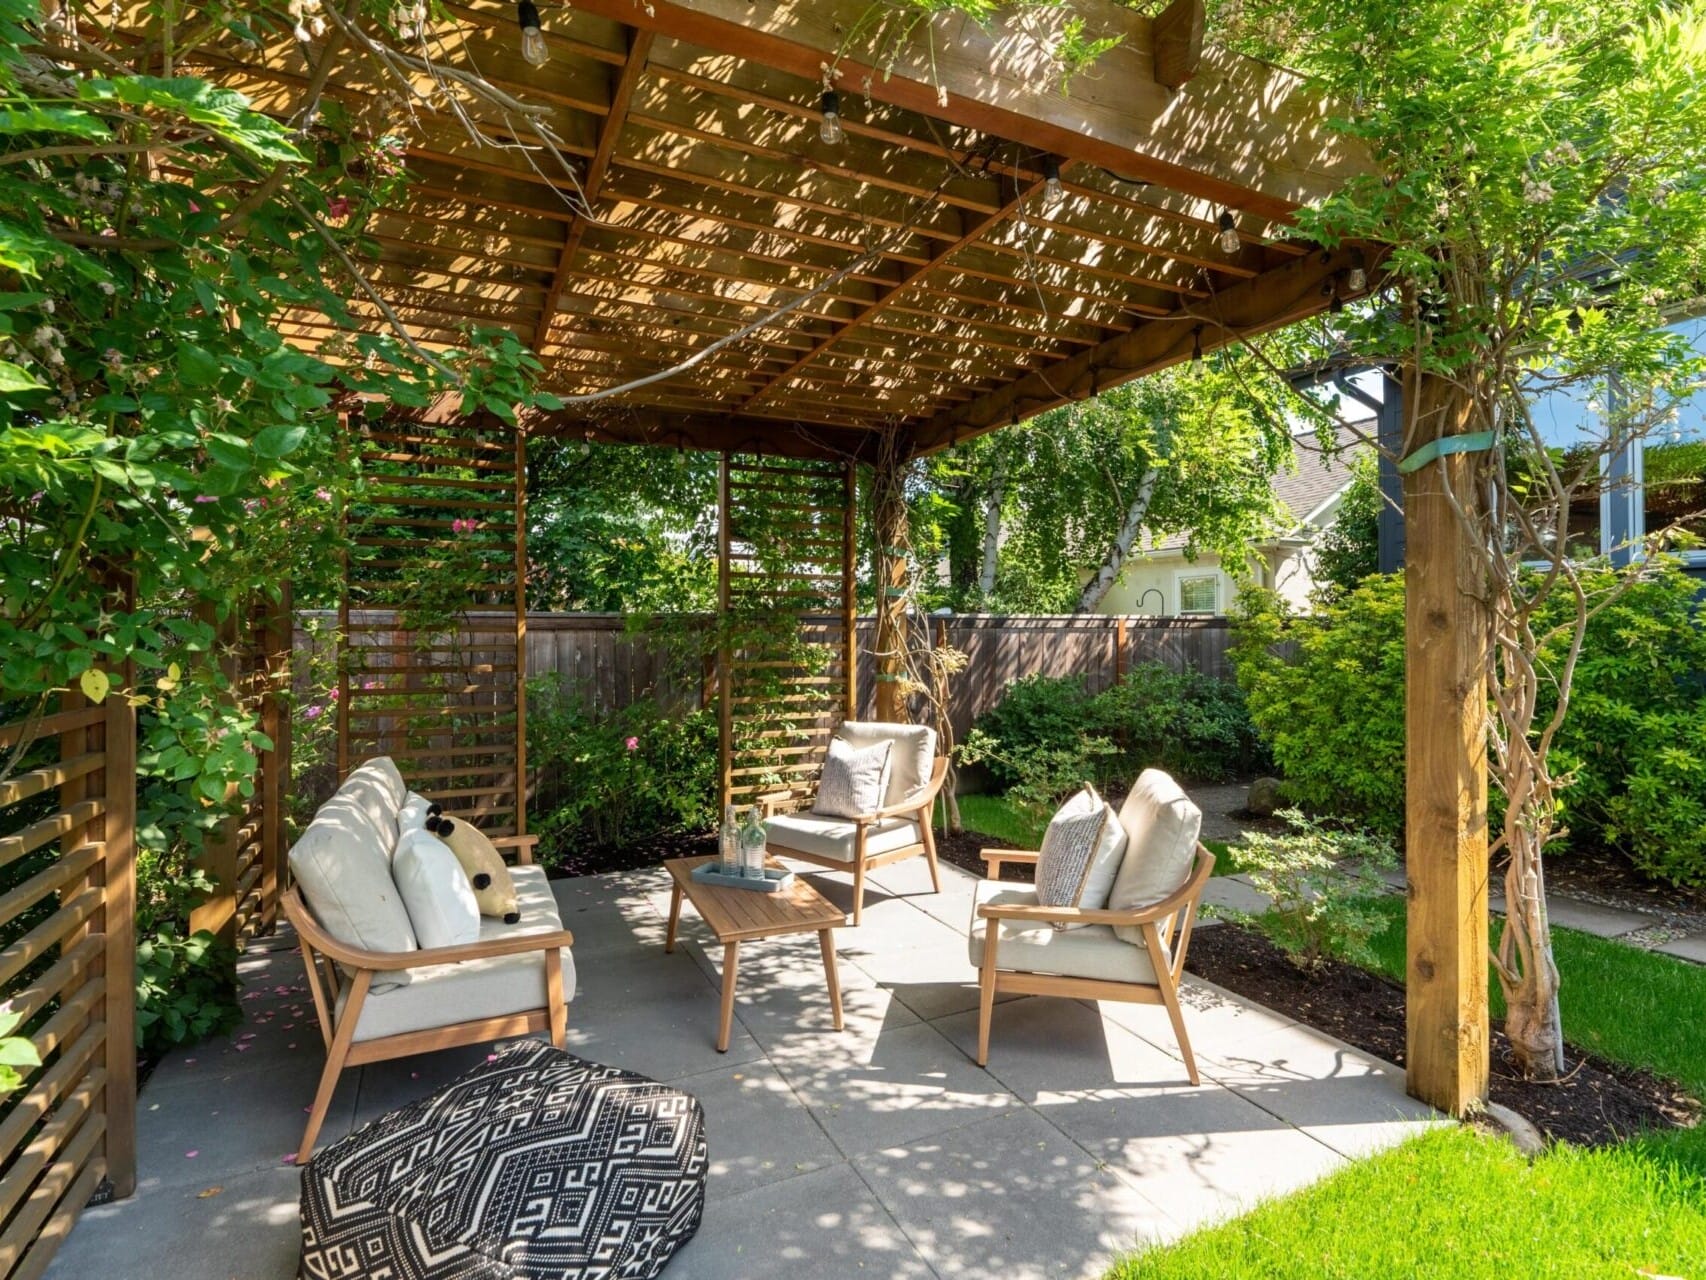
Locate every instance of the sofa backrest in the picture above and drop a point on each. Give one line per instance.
(342, 862)
(911, 756)
(1161, 825)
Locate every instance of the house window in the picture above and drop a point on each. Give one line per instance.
(1199, 593)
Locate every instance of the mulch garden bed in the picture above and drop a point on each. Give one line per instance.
(629, 857)
(1600, 1102)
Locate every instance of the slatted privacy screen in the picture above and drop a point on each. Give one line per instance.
(433, 619)
(243, 859)
(785, 679)
(67, 956)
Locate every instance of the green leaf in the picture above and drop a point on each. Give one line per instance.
(14, 378)
(277, 442)
(32, 119)
(197, 367)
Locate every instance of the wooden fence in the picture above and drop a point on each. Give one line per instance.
(613, 664)
(67, 901)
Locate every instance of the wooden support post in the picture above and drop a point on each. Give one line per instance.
(1445, 728)
(277, 630)
(520, 632)
(218, 858)
(1119, 649)
(1177, 33)
(118, 922)
(888, 515)
(850, 594)
(725, 679)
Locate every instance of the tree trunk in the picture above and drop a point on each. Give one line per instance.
(992, 532)
(1096, 590)
(888, 515)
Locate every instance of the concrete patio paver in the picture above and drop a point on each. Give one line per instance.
(878, 1151)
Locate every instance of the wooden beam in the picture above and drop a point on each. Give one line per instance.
(621, 94)
(1277, 298)
(1178, 42)
(731, 432)
(1244, 134)
(1446, 631)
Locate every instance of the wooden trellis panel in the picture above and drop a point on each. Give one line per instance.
(244, 859)
(785, 677)
(433, 621)
(67, 963)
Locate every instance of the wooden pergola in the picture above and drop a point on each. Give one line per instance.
(698, 268)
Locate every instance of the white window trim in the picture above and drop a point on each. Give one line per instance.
(1179, 576)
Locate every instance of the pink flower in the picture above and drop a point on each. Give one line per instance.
(633, 744)
(337, 207)
(205, 497)
(334, 694)
(313, 712)
(324, 495)
(194, 207)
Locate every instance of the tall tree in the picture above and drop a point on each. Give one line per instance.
(1059, 503)
(1542, 185)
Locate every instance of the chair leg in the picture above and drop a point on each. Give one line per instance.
(557, 1009)
(858, 891)
(930, 849)
(986, 993)
(335, 1056)
(1170, 998)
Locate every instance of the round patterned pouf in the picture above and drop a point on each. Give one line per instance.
(535, 1164)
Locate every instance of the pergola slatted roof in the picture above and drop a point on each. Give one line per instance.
(934, 288)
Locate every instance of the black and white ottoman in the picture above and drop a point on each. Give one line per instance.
(535, 1164)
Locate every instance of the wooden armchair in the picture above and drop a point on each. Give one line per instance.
(901, 829)
(1017, 948)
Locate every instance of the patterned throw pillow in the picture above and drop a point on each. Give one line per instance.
(1069, 848)
(854, 779)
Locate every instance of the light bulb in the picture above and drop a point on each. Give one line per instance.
(1356, 279)
(829, 128)
(1053, 190)
(533, 46)
(1228, 238)
(1196, 348)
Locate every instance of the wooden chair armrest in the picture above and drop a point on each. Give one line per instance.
(1009, 855)
(768, 800)
(309, 930)
(524, 846)
(918, 801)
(1174, 902)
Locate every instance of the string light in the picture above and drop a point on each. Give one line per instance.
(1228, 238)
(829, 128)
(1196, 347)
(1053, 190)
(1356, 279)
(533, 46)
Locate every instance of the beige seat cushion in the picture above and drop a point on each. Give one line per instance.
(827, 837)
(443, 994)
(910, 759)
(1033, 946)
(342, 863)
(1162, 826)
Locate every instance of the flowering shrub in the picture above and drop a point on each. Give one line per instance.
(614, 778)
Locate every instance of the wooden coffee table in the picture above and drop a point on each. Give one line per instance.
(739, 915)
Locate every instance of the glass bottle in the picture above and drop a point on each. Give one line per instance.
(728, 843)
(752, 841)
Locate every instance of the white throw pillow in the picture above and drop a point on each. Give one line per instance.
(439, 899)
(1162, 826)
(413, 815)
(854, 779)
(911, 755)
(1071, 847)
(342, 863)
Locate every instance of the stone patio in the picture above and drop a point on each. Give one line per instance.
(880, 1151)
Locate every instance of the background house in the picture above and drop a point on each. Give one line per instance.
(1161, 578)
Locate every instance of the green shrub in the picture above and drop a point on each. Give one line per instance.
(616, 777)
(1327, 695)
(1038, 717)
(1331, 710)
(1324, 887)
(1190, 724)
(186, 989)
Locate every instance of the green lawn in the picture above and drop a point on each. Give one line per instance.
(1618, 1001)
(1454, 1204)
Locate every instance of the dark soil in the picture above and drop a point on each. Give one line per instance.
(1606, 876)
(1600, 1103)
(565, 865)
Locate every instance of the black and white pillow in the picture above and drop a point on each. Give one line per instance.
(1071, 846)
(854, 779)
(535, 1164)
